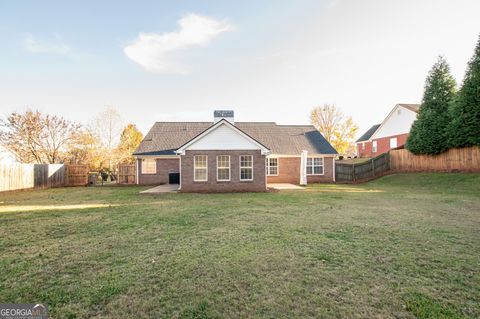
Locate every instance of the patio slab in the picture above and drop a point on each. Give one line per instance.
(166, 188)
(284, 186)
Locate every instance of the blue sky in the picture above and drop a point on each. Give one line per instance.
(267, 60)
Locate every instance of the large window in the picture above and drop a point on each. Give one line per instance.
(223, 168)
(200, 170)
(272, 166)
(149, 166)
(315, 166)
(374, 146)
(246, 167)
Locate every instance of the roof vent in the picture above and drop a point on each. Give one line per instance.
(223, 114)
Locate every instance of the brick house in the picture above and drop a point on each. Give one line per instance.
(229, 156)
(391, 133)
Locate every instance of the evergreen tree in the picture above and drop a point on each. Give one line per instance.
(429, 131)
(464, 130)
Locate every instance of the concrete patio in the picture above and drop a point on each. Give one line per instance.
(166, 188)
(284, 186)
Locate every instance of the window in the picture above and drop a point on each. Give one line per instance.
(149, 166)
(272, 166)
(393, 142)
(246, 167)
(363, 146)
(223, 167)
(315, 166)
(200, 169)
(374, 146)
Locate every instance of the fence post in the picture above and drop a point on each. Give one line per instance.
(353, 172)
(373, 167)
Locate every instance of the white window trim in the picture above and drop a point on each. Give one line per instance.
(268, 166)
(374, 146)
(323, 165)
(240, 169)
(206, 169)
(229, 169)
(143, 166)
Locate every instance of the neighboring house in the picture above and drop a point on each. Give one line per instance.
(389, 134)
(227, 156)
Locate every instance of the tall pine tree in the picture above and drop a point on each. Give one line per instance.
(464, 130)
(428, 134)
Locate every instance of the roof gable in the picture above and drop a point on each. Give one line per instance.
(398, 121)
(223, 136)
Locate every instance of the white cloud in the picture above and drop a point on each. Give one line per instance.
(154, 51)
(33, 45)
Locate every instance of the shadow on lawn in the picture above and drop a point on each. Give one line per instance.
(341, 189)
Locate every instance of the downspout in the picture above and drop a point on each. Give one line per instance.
(180, 171)
(136, 171)
(303, 168)
(333, 160)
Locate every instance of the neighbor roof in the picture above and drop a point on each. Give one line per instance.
(166, 137)
(366, 136)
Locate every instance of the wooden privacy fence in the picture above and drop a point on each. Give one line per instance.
(126, 173)
(77, 175)
(361, 172)
(17, 176)
(454, 160)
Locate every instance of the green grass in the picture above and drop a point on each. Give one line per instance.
(401, 246)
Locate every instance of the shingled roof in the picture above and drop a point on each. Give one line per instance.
(366, 136)
(166, 137)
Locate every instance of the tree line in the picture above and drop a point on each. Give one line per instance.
(102, 144)
(448, 118)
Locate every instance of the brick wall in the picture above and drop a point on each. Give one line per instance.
(367, 152)
(289, 171)
(164, 166)
(383, 145)
(327, 176)
(234, 185)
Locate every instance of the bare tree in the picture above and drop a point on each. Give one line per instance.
(338, 129)
(107, 126)
(36, 138)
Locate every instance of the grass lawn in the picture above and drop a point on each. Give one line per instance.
(403, 246)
